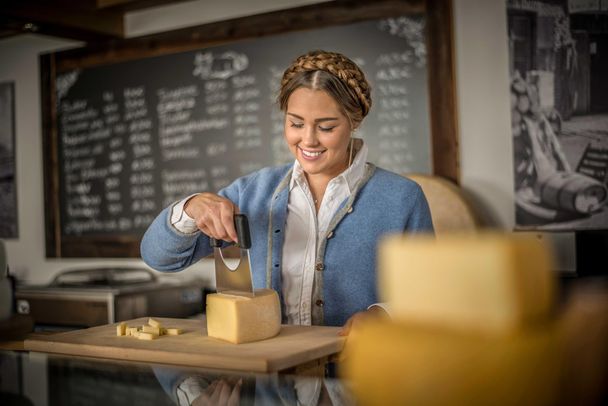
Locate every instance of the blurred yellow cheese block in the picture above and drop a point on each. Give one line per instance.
(395, 364)
(121, 329)
(146, 336)
(151, 330)
(485, 281)
(154, 323)
(173, 331)
(240, 319)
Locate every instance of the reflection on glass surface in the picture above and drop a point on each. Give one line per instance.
(41, 380)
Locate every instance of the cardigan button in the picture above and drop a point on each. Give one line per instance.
(319, 266)
(319, 303)
(331, 234)
(350, 209)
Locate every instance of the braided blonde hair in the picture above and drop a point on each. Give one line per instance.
(334, 73)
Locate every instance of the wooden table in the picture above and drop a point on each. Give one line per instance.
(299, 349)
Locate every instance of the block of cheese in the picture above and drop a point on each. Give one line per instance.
(146, 336)
(390, 363)
(172, 331)
(154, 323)
(121, 329)
(151, 329)
(485, 281)
(240, 319)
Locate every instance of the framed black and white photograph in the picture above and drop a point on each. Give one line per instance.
(558, 55)
(8, 187)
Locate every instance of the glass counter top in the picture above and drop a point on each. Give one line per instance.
(32, 378)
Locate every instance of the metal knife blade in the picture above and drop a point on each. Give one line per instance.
(237, 281)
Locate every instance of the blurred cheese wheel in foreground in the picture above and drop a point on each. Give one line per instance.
(240, 319)
(484, 282)
(397, 364)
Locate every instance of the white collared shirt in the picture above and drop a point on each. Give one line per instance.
(181, 220)
(303, 231)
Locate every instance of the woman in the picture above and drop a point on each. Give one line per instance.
(315, 223)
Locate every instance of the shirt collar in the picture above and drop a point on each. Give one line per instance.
(351, 175)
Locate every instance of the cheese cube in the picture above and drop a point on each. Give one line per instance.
(121, 329)
(486, 281)
(240, 319)
(150, 329)
(154, 323)
(172, 331)
(146, 336)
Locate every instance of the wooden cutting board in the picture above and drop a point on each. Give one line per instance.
(295, 345)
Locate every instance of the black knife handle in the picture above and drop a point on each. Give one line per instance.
(214, 243)
(242, 230)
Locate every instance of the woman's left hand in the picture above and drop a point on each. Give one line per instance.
(373, 312)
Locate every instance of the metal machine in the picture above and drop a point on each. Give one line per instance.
(91, 297)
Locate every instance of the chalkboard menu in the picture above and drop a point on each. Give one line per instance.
(133, 136)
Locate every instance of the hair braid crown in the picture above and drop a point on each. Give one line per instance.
(338, 65)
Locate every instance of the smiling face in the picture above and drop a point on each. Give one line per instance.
(317, 132)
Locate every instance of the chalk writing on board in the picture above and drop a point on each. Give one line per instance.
(412, 30)
(64, 82)
(393, 70)
(221, 66)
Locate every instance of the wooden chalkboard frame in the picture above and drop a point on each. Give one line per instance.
(441, 89)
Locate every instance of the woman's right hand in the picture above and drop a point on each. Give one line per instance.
(214, 215)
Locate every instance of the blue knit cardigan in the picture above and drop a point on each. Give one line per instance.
(345, 271)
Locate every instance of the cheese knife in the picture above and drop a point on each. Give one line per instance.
(235, 281)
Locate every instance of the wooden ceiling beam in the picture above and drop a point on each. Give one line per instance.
(28, 26)
(71, 22)
(131, 5)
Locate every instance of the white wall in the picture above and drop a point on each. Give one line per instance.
(482, 86)
(201, 12)
(482, 77)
